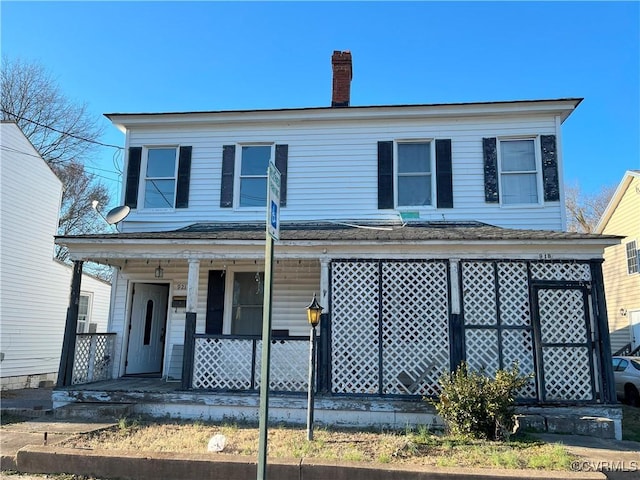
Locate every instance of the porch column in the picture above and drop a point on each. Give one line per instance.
(190, 323)
(324, 360)
(65, 371)
(602, 326)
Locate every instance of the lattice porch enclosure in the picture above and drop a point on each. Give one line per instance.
(389, 329)
(497, 320)
(228, 363)
(565, 334)
(93, 360)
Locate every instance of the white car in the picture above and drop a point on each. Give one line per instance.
(626, 371)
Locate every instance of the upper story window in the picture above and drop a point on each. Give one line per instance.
(518, 172)
(252, 179)
(633, 261)
(160, 178)
(414, 174)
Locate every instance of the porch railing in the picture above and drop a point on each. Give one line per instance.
(224, 362)
(93, 359)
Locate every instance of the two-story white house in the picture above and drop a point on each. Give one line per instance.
(433, 234)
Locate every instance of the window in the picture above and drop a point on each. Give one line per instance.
(83, 313)
(254, 162)
(246, 308)
(160, 178)
(414, 178)
(633, 263)
(518, 172)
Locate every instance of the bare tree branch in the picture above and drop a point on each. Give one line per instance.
(585, 210)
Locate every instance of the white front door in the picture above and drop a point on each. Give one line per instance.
(635, 328)
(147, 329)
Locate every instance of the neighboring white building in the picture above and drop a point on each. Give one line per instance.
(34, 287)
(433, 234)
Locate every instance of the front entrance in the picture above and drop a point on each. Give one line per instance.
(147, 329)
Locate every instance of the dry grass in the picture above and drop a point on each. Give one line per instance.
(415, 447)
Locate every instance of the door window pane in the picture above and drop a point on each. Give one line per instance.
(83, 313)
(248, 291)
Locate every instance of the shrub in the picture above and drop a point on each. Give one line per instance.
(472, 404)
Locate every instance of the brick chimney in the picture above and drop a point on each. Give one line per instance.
(342, 74)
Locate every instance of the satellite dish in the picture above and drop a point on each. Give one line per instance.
(117, 214)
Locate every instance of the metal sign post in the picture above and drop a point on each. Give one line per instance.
(272, 233)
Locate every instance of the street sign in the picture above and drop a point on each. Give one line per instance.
(273, 202)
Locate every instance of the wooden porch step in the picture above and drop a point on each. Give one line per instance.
(94, 411)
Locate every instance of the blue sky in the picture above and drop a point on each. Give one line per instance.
(185, 56)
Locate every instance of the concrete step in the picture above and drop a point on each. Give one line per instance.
(94, 411)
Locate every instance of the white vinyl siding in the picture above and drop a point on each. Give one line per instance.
(332, 170)
(34, 293)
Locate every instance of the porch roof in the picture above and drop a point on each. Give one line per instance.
(347, 231)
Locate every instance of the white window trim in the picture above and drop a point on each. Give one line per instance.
(626, 257)
(538, 162)
(143, 178)
(228, 292)
(432, 173)
(87, 320)
(238, 169)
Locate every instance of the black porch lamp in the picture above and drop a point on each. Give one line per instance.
(313, 312)
(313, 316)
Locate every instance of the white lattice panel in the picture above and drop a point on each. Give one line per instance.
(517, 348)
(513, 286)
(93, 359)
(289, 365)
(562, 317)
(81, 360)
(481, 347)
(222, 363)
(561, 271)
(479, 293)
(567, 374)
(354, 327)
(415, 327)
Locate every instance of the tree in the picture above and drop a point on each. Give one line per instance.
(585, 210)
(58, 128)
(65, 134)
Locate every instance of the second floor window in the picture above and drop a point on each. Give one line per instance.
(518, 172)
(414, 174)
(160, 178)
(254, 162)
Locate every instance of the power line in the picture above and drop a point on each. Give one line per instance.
(61, 131)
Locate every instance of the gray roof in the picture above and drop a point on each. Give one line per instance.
(349, 231)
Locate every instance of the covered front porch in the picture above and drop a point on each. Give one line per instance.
(403, 307)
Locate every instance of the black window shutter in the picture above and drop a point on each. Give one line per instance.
(228, 163)
(184, 175)
(215, 303)
(282, 160)
(550, 178)
(133, 177)
(490, 155)
(385, 175)
(444, 174)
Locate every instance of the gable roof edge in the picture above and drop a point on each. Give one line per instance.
(615, 199)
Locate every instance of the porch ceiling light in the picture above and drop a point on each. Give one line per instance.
(159, 271)
(313, 312)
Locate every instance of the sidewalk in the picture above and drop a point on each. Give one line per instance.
(24, 449)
